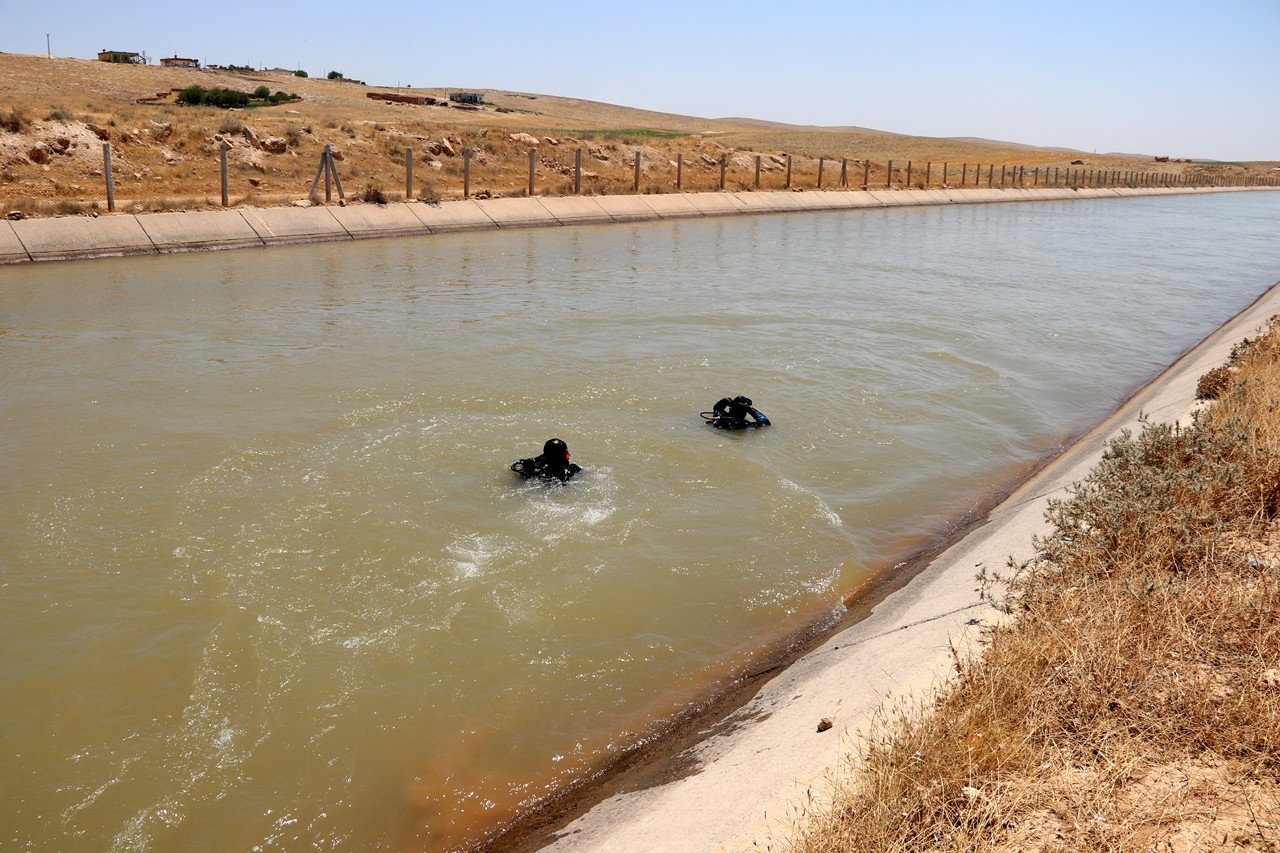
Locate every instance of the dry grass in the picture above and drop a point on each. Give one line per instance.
(1132, 701)
(92, 102)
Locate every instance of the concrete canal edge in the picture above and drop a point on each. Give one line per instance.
(113, 235)
(750, 778)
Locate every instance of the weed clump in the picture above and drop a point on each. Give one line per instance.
(428, 194)
(1144, 644)
(14, 120)
(1213, 384)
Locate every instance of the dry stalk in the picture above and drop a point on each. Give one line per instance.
(1134, 700)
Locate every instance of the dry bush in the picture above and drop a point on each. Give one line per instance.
(14, 119)
(1214, 383)
(67, 207)
(428, 193)
(374, 194)
(1145, 641)
(25, 206)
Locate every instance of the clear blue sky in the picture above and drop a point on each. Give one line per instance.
(1147, 76)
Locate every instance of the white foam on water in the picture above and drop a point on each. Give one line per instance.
(287, 578)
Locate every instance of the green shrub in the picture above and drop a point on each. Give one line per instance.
(335, 75)
(226, 98)
(214, 97)
(262, 93)
(192, 95)
(299, 73)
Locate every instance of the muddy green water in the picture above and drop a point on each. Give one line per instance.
(267, 584)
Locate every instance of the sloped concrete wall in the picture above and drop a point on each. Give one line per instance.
(63, 238)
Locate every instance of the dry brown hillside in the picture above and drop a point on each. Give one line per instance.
(55, 115)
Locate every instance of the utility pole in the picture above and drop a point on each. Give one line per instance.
(47, 52)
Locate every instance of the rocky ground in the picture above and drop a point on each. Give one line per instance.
(56, 114)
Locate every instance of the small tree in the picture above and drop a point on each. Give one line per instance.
(262, 93)
(299, 73)
(225, 98)
(335, 75)
(192, 95)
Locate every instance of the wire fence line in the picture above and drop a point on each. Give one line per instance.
(831, 174)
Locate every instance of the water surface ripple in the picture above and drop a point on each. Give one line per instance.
(267, 584)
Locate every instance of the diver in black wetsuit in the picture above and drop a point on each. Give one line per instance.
(733, 414)
(553, 464)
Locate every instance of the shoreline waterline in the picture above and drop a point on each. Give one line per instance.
(122, 235)
(293, 466)
(662, 757)
(673, 788)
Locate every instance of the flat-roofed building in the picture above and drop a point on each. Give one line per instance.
(121, 56)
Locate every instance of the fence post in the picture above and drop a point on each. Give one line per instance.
(408, 174)
(466, 173)
(333, 168)
(821, 160)
(888, 183)
(533, 155)
(757, 171)
(724, 164)
(907, 186)
(637, 182)
(328, 174)
(866, 174)
(844, 173)
(577, 172)
(679, 170)
(928, 173)
(788, 171)
(944, 175)
(964, 174)
(324, 169)
(223, 148)
(111, 190)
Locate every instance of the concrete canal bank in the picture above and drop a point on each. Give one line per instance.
(111, 235)
(755, 775)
